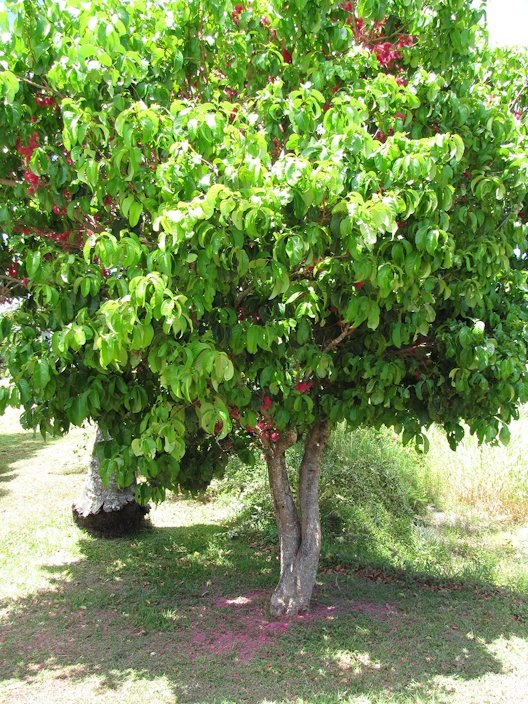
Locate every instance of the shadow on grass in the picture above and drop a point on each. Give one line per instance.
(189, 605)
(14, 448)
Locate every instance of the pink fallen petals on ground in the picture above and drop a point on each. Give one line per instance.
(247, 628)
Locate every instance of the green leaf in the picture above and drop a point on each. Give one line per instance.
(373, 315)
(33, 261)
(134, 213)
(252, 338)
(41, 373)
(78, 410)
(9, 85)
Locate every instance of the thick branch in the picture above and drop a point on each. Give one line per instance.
(332, 345)
(242, 295)
(412, 349)
(44, 88)
(309, 474)
(32, 83)
(338, 340)
(285, 510)
(8, 182)
(354, 22)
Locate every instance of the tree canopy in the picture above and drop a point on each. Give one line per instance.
(234, 223)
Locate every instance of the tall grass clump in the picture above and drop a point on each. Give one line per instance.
(489, 480)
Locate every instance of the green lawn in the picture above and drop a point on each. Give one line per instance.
(178, 614)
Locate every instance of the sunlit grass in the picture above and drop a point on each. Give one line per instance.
(491, 481)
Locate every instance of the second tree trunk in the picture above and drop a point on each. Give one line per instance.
(106, 510)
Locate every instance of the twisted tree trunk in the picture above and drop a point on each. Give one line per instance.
(299, 527)
(107, 511)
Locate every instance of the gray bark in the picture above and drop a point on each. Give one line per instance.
(106, 510)
(299, 528)
(95, 495)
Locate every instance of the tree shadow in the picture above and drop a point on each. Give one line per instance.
(14, 448)
(189, 604)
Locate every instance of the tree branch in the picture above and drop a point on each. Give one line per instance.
(242, 295)
(338, 340)
(9, 182)
(31, 83)
(415, 347)
(518, 96)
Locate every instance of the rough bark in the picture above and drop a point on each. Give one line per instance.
(299, 527)
(107, 511)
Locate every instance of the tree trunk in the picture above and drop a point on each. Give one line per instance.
(107, 511)
(299, 528)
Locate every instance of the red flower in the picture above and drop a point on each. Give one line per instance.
(235, 415)
(386, 53)
(32, 145)
(31, 179)
(218, 426)
(400, 116)
(44, 101)
(274, 437)
(405, 40)
(266, 403)
(359, 285)
(347, 6)
(286, 56)
(303, 386)
(238, 10)
(264, 21)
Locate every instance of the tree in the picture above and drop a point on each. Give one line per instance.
(106, 510)
(243, 224)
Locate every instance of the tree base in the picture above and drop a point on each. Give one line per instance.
(293, 598)
(128, 520)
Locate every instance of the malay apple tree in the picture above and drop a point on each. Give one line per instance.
(242, 223)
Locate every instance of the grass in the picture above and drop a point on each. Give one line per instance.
(178, 614)
(491, 480)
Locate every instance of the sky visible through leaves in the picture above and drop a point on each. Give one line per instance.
(507, 20)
